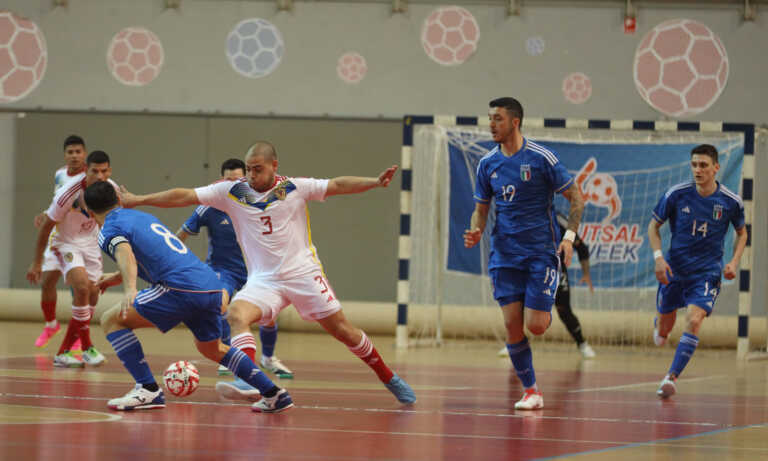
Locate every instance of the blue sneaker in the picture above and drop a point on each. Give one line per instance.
(138, 399)
(237, 390)
(279, 402)
(401, 389)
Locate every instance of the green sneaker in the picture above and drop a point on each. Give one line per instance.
(67, 360)
(93, 357)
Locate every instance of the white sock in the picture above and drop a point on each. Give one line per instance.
(52, 324)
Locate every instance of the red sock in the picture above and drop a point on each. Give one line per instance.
(85, 334)
(370, 355)
(49, 310)
(73, 330)
(246, 343)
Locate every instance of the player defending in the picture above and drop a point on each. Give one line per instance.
(74, 159)
(522, 177)
(269, 213)
(77, 252)
(699, 213)
(183, 289)
(226, 259)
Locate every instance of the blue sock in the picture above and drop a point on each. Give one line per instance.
(268, 340)
(683, 353)
(242, 366)
(226, 336)
(128, 349)
(522, 360)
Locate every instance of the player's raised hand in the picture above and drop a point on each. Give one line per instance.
(386, 177)
(730, 271)
(34, 273)
(663, 271)
(472, 237)
(127, 199)
(566, 249)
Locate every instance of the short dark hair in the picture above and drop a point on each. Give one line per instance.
(262, 148)
(97, 156)
(232, 164)
(513, 106)
(705, 149)
(100, 196)
(72, 140)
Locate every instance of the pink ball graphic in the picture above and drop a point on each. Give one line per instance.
(577, 88)
(351, 67)
(135, 56)
(450, 35)
(681, 67)
(23, 57)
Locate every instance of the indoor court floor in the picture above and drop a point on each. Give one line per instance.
(600, 409)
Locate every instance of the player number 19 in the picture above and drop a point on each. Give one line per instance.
(508, 192)
(702, 228)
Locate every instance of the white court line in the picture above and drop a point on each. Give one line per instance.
(655, 383)
(410, 411)
(101, 415)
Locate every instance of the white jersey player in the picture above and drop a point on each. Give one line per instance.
(75, 246)
(269, 214)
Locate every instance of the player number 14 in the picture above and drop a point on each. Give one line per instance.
(702, 228)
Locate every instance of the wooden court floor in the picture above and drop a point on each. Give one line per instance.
(601, 409)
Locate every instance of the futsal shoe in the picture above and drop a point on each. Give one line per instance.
(532, 400)
(667, 387)
(275, 404)
(67, 360)
(503, 352)
(274, 365)
(586, 351)
(223, 370)
(93, 357)
(237, 390)
(138, 399)
(46, 335)
(401, 389)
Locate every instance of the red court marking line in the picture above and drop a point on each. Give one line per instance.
(407, 411)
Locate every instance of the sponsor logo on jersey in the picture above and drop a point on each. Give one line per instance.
(686, 210)
(224, 222)
(525, 172)
(494, 175)
(717, 212)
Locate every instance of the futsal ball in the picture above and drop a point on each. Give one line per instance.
(255, 48)
(181, 378)
(23, 57)
(135, 56)
(681, 67)
(449, 35)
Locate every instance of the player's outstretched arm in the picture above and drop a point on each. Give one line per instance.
(741, 242)
(476, 225)
(356, 184)
(172, 198)
(573, 194)
(182, 235)
(35, 269)
(662, 269)
(126, 263)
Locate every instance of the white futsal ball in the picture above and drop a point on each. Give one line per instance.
(181, 378)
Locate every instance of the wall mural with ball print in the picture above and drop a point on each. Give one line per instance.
(680, 66)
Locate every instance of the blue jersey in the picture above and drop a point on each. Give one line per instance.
(523, 186)
(223, 250)
(698, 225)
(160, 256)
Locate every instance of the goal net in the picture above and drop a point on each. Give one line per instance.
(621, 173)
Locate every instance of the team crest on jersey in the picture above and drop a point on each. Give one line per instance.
(281, 190)
(717, 212)
(525, 172)
(68, 257)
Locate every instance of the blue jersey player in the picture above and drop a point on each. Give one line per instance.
(226, 259)
(522, 177)
(699, 213)
(183, 290)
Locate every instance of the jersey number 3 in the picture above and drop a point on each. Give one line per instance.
(171, 240)
(267, 221)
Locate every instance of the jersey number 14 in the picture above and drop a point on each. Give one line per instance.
(702, 229)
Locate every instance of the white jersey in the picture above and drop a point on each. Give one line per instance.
(61, 177)
(272, 227)
(73, 224)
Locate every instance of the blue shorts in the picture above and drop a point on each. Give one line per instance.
(232, 281)
(166, 308)
(701, 292)
(536, 285)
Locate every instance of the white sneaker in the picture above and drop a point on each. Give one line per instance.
(503, 352)
(224, 370)
(532, 400)
(237, 390)
(667, 387)
(274, 365)
(586, 351)
(138, 399)
(93, 357)
(275, 404)
(67, 360)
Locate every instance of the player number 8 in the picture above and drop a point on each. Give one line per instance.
(171, 240)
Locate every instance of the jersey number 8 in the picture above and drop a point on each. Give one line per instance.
(171, 240)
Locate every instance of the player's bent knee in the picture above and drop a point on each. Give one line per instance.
(109, 320)
(537, 328)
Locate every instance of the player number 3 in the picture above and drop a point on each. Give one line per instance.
(171, 240)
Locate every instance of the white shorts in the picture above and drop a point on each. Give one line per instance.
(311, 295)
(66, 257)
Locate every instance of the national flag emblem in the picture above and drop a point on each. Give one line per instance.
(525, 172)
(717, 212)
